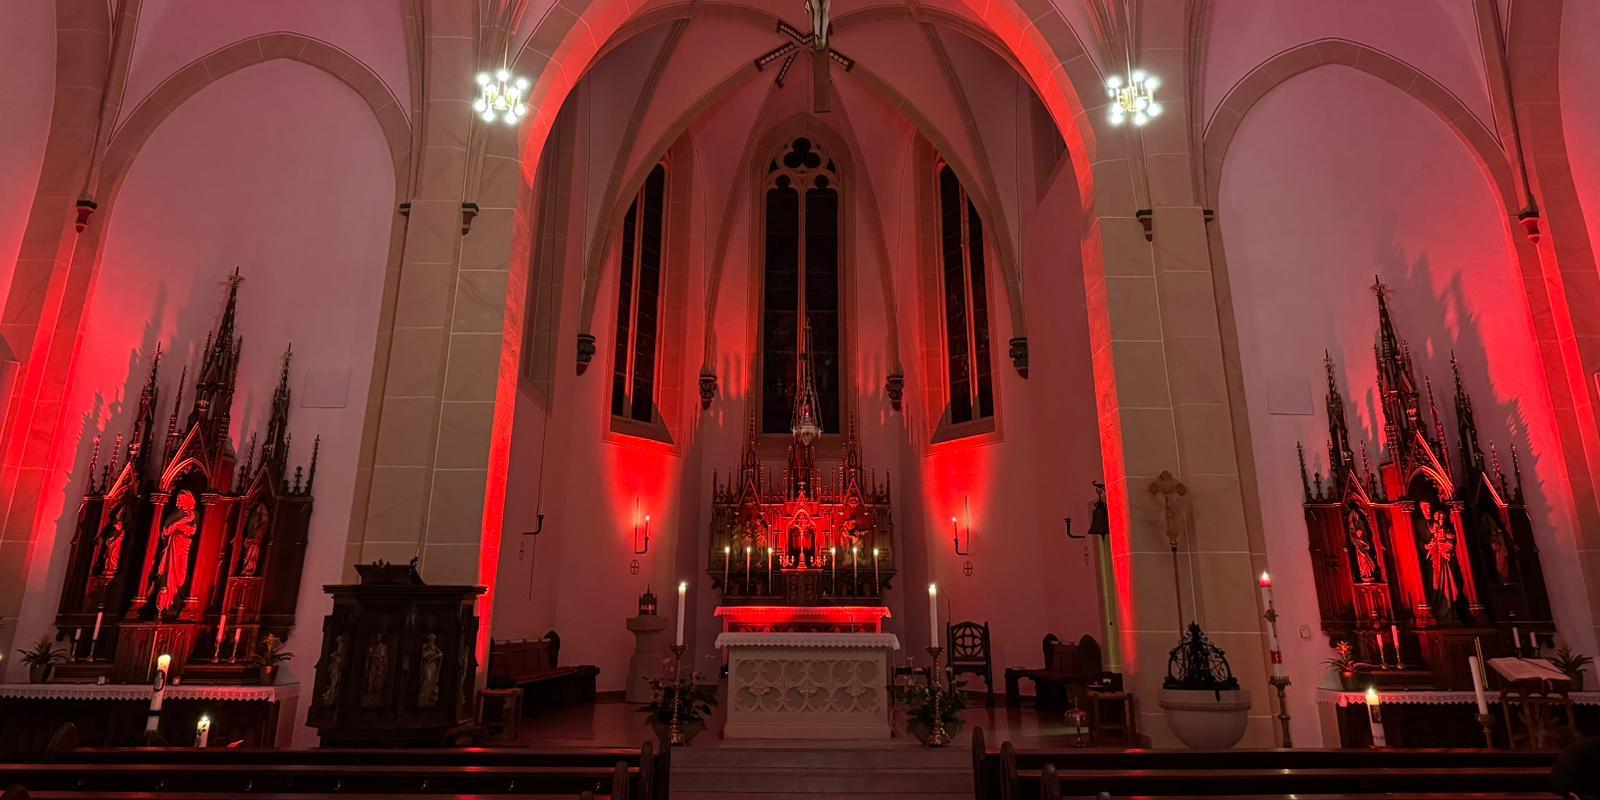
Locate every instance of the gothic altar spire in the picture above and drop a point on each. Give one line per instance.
(1466, 422)
(806, 423)
(219, 364)
(1397, 383)
(1341, 459)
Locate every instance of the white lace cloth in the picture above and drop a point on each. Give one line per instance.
(1432, 697)
(828, 640)
(140, 691)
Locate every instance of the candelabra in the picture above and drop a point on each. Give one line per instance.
(938, 737)
(675, 737)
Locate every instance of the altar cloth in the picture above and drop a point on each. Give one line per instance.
(808, 685)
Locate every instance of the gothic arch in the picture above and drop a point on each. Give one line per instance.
(177, 88)
(1285, 66)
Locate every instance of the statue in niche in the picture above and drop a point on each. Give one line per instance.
(1361, 543)
(176, 543)
(1441, 550)
(377, 673)
(431, 658)
(255, 529)
(336, 659)
(1501, 547)
(108, 547)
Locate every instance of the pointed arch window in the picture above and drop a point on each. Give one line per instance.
(639, 284)
(800, 284)
(966, 303)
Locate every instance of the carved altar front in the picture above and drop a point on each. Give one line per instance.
(808, 685)
(1428, 553)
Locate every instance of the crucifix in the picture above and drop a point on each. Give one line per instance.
(821, 54)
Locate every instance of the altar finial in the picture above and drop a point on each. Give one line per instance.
(1305, 483)
(94, 461)
(235, 279)
(1378, 288)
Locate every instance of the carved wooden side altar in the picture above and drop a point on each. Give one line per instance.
(1430, 552)
(808, 685)
(187, 551)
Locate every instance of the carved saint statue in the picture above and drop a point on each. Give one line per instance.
(176, 543)
(818, 9)
(336, 659)
(432, 656)
(1501, 549)
(108, 548)
(255, 529)
(1361, 543)
(377, 673)
(1441, 549)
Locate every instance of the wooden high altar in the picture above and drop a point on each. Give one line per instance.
(802, 563)
(1430, 554)
(190, 554)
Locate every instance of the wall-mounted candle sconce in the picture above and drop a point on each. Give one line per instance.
(641, 540)
(956, 533)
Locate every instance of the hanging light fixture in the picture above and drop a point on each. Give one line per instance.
(1134, 98)
(501, 97)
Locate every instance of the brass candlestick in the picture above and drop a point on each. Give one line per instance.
(675, 737)
(1486, 721)
(938, 737)
(1281, 682)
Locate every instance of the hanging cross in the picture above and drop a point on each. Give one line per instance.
(822, 53)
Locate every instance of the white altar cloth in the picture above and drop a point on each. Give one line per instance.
(808, 685)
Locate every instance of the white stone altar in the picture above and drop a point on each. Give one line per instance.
(808, 685)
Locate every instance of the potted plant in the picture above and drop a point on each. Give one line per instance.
(1344, 664)
(917, 698)
(1571, 664)
(269, 657)
(41, 659)
(696, 707)
(1202, 701)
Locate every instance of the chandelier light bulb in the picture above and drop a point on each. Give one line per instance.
(483, 78)
(1133, 98)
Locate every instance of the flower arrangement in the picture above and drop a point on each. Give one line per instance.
(1571, 664)
(1344, 663)
(40, 658)
(269, 657)
(699, 701)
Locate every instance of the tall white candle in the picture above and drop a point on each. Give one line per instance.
(1375, 718)
(202, 731)
(1516, 639)
(874, 570)
(99, 616)
(727, 558)
(683, 593)
(157, 691)
(1477, 684)
(1394, 632)
(770, 587)
(933, 616)
(1273, 647)
(855, 574)
(1379, 638)
(222, 628)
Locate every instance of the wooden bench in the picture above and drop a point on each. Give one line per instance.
(1063, 680)
(533, 665)
(640, 774)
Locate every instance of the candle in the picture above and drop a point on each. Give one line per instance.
(1379, 637)
(233, 655)
(933, 616)
(1477, 684)
(222, 627)
(1375, 717)
(855, 574)
(99, 616)
(747, 549)
(833, 563)
(874, 570)
(1516, 639)
(770, 587)
(727, 558)
(202, 731)
(1273, 647)
(158, 688)
(1394, 632)
(683, 592)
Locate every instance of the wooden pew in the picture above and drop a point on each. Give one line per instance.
(636, 774)
(533, 665)
(1011, 774)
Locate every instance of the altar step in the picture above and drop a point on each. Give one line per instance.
(873, 771)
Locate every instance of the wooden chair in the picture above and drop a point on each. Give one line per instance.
(1068, 669)
(969, 653)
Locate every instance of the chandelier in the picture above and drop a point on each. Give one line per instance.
(501, 97)
(1134, 98)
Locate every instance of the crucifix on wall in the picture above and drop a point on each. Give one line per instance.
(821, 54)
